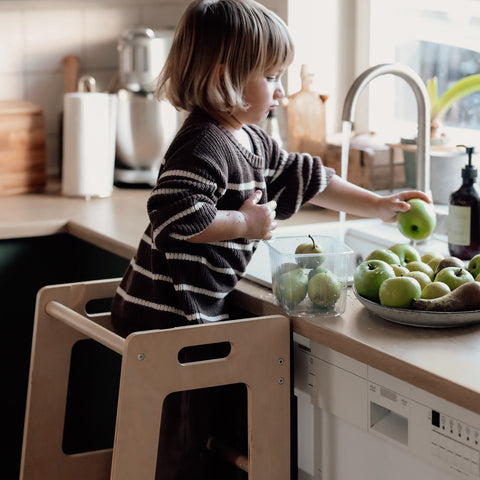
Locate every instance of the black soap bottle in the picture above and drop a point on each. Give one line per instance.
(464, 214)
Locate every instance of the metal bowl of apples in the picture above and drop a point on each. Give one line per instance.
(309, 274)
(399, 285)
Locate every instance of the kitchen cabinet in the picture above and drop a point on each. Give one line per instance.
(26, 265)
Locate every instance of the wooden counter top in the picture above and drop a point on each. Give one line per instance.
(444, 362)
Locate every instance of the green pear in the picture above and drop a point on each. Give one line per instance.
(316, 270)
(313, 249)
(324, 289)
(291, 287)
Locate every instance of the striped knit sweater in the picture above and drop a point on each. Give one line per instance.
(172, 282)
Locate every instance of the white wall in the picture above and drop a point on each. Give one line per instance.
(36, 34)
(324, 35)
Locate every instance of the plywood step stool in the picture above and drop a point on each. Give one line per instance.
(259, 358)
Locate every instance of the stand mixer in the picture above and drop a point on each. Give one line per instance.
(145, 125)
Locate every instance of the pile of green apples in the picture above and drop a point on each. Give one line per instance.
(307, 278)
(399, 277)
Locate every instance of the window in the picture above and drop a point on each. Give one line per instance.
(435, 38)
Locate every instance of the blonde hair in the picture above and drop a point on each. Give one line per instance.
(218, 44)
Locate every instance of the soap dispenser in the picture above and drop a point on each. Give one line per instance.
(464, 214)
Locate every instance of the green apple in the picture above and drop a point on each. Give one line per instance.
(324, 289)
(406, 253)
(313, 250)
(454, 276)
(421, 277)
(435, 290)
(419, 221)
(420, 267)
(426, 257)
(400, 270)
(291, 287)
(474, 265)
(399, 292)
(433, 263)
(384, 254)
(368, 277)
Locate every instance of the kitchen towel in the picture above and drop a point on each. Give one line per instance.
(89, 126)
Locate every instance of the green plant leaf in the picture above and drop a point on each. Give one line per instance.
(432, 90)
(463, 87)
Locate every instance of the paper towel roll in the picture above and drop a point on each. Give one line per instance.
(89, 126)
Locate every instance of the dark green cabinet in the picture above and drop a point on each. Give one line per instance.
(26, 265)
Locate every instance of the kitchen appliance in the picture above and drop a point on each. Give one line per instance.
(356, 422)
(145, 125)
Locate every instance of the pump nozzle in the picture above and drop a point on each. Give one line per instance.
(469, 171)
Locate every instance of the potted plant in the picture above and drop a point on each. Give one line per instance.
(439, 106)
(447, 162)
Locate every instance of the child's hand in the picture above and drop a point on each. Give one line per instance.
(259, 219)
(390, 205)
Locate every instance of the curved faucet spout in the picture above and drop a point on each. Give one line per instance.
(423, 112)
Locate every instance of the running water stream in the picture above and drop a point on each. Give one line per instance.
(346, 133)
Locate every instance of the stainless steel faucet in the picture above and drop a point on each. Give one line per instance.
(423, 109)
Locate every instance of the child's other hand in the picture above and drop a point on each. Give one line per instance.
(390, 205)
(259, 219)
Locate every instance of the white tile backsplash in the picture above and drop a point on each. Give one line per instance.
(103, 27)
(51, 35)
(36, 35)
(11, 42)
(12, 86)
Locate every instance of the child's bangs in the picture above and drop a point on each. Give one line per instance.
(278, 45)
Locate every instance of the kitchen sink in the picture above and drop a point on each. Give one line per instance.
(26, 265)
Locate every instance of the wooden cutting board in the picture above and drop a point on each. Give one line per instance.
(22, 147)
(306, 117)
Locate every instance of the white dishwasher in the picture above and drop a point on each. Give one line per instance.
(358, 423)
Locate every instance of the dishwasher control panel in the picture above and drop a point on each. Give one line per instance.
(455, 444)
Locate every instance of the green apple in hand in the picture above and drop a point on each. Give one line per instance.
(419, 221)
(406, 253)
(324, 289)
(399, 292)
(474, 265)
(420, 267)
(422, 278)
(291, 287)
(435, 290)
(384, 254)
(368, 277)
(454, 276)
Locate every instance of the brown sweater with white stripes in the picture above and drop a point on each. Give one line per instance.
(172, 282)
